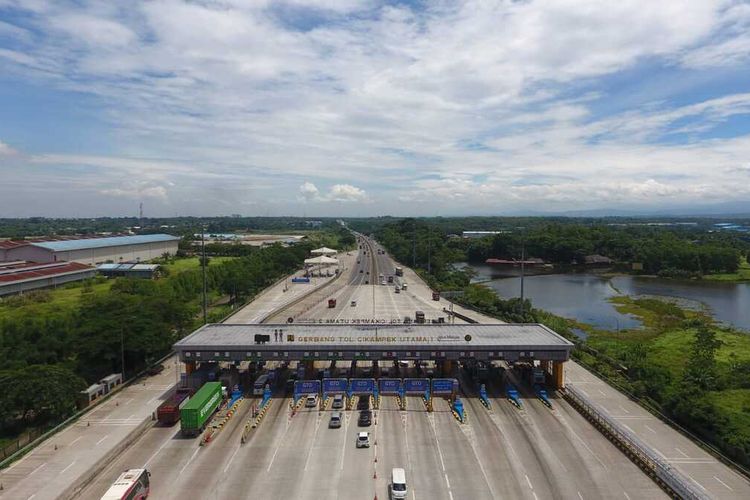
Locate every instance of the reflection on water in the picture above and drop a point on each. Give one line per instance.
(585, 296)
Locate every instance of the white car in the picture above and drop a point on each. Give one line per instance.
(363, 440)
(310, 402)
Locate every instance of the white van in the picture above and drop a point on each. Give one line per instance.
(398, 483)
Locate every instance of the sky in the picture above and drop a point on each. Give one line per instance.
(357, 108)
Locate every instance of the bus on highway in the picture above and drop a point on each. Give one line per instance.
(132, 484)
(260, 384)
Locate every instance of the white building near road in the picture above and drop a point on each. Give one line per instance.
(92, 251)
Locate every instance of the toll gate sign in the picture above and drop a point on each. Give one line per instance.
(390, 385)
(307, 387)
(416, 385)
(334, 385)
(362, 386)
(444, 385)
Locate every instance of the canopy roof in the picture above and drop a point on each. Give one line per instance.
(324, 251)
(321, 260)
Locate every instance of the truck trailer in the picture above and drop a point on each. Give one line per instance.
(199, 409)
(168, 412)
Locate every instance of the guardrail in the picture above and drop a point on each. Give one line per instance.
(667, 477)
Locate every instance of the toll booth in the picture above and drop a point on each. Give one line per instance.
(390, 386)
(334, 386)
(416, 386)
(360, 386)
(306, 387)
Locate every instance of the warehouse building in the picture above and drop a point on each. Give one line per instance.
(21, 276)
(92, 251)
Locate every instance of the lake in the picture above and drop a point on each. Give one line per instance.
(584, 296)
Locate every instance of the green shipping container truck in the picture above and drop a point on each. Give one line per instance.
(198, 410)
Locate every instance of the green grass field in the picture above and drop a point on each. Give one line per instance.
(51, 301)
(191, 263)
(742, 274)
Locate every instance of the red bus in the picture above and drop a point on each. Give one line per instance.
(132, 484)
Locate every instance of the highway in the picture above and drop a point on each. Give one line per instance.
(503, 452)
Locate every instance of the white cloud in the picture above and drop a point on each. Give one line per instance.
(337, 193)
(458, 106)
(346, 192)
(6, 150)
(309, 191)
(137, 191)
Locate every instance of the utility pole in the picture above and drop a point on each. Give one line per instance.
(523, 267)
(414, 247)
(122, 351)
(429, 251)
(203, 266)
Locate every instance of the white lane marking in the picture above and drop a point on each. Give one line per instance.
(312, 443)
(565, 422)
(347, 417)
(580, 496)
(74, 441)
(188, 462)
(626, 495)
(725, 484)
(649, 428)
(37, 469)
(696, 482)
(531, 487)
(535, 497)
(102, 439)
(450, 494)
(623, 409)
(276, 451)
(447, 482)
(156, 453)
(231, 459)
(68, 467)
(602, 392)
(32, 496)
(131, 416)
(682, 452)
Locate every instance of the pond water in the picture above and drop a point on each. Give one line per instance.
(584, 296)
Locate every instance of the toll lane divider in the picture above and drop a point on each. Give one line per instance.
(254, 421)
(484, 398)
(512, 394)
(671, 480)
(216, 427)
(458, 410)
(541, 394)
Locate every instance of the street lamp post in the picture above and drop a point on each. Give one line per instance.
(203, 268)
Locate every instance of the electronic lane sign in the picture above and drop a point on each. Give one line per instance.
(307, 387)
(444, 385)
(362, 386)
(334, 385)
(416, 385)
(390, 386)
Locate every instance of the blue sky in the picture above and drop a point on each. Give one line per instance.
(343, 107)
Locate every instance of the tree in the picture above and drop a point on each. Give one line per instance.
(700, 369)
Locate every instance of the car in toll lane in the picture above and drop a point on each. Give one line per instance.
(365, 418)
(310, 401)
(363, 440)
(338, 402)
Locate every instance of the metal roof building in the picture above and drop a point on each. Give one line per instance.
(17, 277)
(236, 342)
(95, 250)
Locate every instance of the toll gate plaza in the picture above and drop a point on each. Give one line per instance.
(416, 342)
